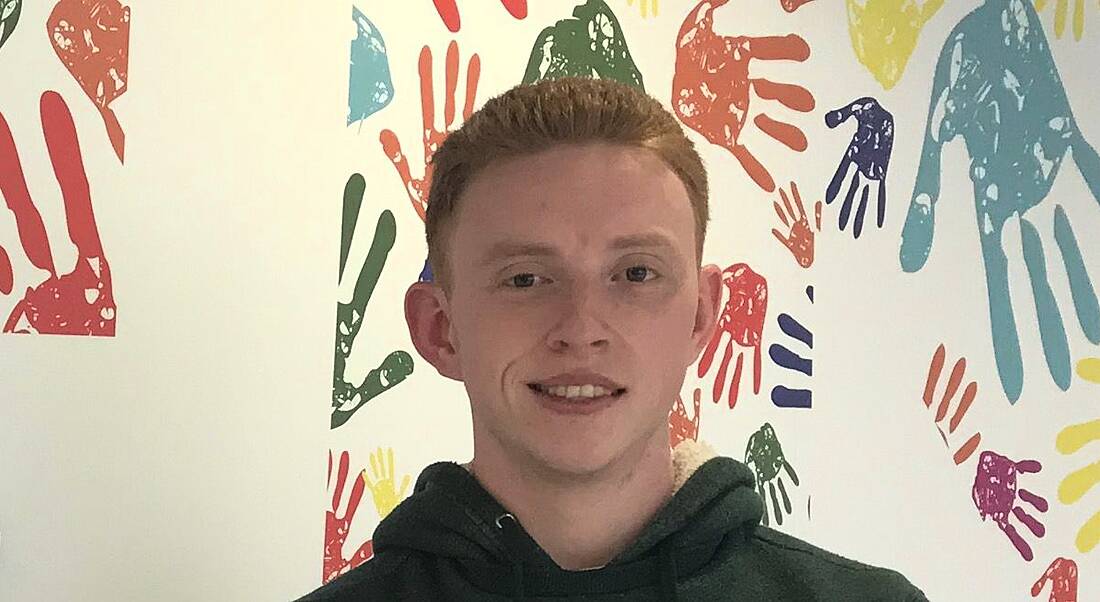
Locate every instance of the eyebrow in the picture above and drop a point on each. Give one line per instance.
(507, 249)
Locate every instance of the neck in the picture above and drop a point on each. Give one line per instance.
(580, 521)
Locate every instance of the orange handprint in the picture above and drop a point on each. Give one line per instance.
(680, 427)
(80, 302)
(742, 320)
(1062, 575)
(799, 239)
(337, 527)
(92, 39)
(417, 188)
(711, 84)
(934, 370)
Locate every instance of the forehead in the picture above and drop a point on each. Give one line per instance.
(580, 197)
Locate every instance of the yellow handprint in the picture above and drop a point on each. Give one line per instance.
(1074, 486)
(1060, 16)
(884, 33)
(1089, 369)
(645, 5)
(383, 489)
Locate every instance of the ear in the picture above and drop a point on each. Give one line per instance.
(427, 314)
(707, 309)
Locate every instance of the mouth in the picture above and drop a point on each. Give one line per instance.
(577, 393)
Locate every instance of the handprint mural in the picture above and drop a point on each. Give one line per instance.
(931, 384)
(996, 86)
(448, 11)
(997, 496)
(799, 239)
(1062, 577)
(1060, 11)
(742, 323)
(784, 357)
(591, 44)
(338, 520)
(884, 34)
(1074, 487)
(867, 157)
(765, 456)
(369, 85)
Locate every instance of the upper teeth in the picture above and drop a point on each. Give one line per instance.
(568, 391)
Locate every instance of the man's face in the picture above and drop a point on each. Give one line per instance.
(575, 266)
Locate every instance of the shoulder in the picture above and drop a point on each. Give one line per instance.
(832, 576)
(378, 576)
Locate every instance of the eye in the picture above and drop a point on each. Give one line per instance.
(640, 273)
(521, 280)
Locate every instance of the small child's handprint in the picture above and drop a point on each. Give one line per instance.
(765, 456)
(1062, 576)
(799, 239)
(869, 153)
(384, 486)
(742, 321)
(995, 494)
(935, 369)
(337, 525)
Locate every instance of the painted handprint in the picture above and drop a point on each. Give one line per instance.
(80, 302)
(867, 157)
(680, 427)
(799, 239)
(793, 5)
(765, 456)
(647, 7)
(711, 87)
(383, 487)
(591, 44)
(92, 39)
(997, 496)
(1060, 10)
(417, 188)
(783, 357)
(369, 85)
(347, 398)
(338, 525)
(1089, 369)
(742, 322)
(1079, 482)
(996, 85)
(448, 11)
(9, 18)
(935, 370)
(1062, 576)
(884, 33)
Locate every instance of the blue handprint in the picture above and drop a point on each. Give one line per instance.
(369, 85)
(997, 86)
(869, 151)
(783, 357)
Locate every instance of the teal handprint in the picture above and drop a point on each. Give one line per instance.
(997, 86)
(347, 398)
(765, 456)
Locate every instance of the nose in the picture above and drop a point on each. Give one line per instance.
(582, 328)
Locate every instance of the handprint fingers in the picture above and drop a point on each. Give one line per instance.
(68, 167)
(785, 358)
(1052, 331)
(354, 190)
(1075, 485)
(391, 146)
(1080, 286)
(788, 135)
(7, 277)
(28, 221)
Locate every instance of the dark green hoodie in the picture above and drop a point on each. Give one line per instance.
(451, 540)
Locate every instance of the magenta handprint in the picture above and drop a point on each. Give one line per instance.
(742, 321)
(997, 496)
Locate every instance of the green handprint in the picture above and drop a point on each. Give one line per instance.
(997, 86)
(346, 397)
(591, 44)
(765, 456)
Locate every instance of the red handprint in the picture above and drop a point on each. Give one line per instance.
(1062, 575)
(92, 39)
(448, 11)
(799, 239)
(336, 527)
(711, 83)
(995, 495)
(82, 301)
(743, 320)
(417, 188)
(680, 427)
(934, 370)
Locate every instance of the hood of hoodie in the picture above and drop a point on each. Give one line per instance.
(452, 517)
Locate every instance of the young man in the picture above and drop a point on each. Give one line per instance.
(565, 230)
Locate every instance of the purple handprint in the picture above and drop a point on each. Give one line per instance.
(869, 150)
(995, 494)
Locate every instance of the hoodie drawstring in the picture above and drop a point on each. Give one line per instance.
(510, 528)
(668, 574)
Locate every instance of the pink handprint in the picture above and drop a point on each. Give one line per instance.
(337, 527)
(995, 495)
(742, 320)
(680, 427)
(711, 84)
(448, 11)
(80, 302)
(1062, 575)
(92, 39)
(417, 188)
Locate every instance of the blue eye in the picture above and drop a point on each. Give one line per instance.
(638, 273)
